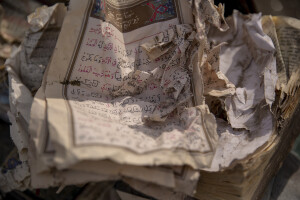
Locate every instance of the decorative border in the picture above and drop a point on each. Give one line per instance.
(127, 19)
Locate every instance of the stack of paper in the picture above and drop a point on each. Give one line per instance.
(149, 92)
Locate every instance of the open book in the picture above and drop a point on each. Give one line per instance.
(150, 92)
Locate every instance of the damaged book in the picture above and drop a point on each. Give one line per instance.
(153, 93)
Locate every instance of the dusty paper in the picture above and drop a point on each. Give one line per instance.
(45, 26)
(42, 171)
(20, 99)
(25, 72)
(215, 83)
(287, 30)
(14, 173)
(106, 95)
(270, 29)
(20, 72)
(207, 77)
(41, 155)
(41, 161)
(39, 43)
(17, 175)
(248, 61)
(20, 96)
(290, 96)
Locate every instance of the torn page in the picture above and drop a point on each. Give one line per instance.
(270, 29)
(20, 73)
(14, 173)
(287, 30)
(206, 61)
(236, 145)
(39, 43)
(216, 84)
(42, 161)
(43, 33)
(20, 96)
(248, 61)
(290, 97)
(133, 96)
(43, 175)
(125, 105)
(20, 103)
(42, 171)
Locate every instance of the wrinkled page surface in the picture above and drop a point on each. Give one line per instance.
(126, 86)
(248, 61)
